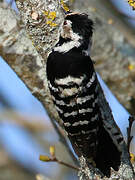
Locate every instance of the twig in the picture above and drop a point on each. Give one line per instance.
(53, 158)
(65, 164)
(129, 137)
(41, 177)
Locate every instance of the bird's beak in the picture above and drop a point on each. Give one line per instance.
(67, 12)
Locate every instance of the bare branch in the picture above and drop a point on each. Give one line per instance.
(53, 158)
(42, 177)
(20, 54)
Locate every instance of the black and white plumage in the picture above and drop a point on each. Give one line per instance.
(73, 83)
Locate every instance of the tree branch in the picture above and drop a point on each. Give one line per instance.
(19, 52)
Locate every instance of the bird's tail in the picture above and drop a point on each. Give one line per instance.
(107, 154)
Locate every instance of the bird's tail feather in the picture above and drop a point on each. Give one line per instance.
(107, 154)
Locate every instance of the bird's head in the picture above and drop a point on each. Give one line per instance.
(77, 26)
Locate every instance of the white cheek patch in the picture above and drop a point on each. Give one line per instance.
(69, 23)
(66, 32)
(65, 29)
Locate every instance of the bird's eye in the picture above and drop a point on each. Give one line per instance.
(65, 22)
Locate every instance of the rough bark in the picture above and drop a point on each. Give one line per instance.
(18, 51)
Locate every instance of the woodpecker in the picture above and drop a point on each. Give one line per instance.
(73, 85)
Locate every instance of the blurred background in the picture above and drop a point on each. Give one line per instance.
(25, 128)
